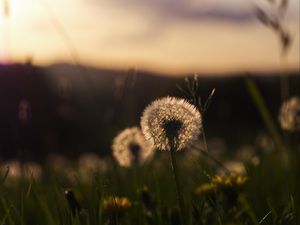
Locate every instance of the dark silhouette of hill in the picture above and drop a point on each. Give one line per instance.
(68, 109)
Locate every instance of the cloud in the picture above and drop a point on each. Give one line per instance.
(174, 10)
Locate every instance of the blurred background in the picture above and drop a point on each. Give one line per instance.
(75, 72)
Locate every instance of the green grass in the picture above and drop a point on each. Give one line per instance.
(269, 197)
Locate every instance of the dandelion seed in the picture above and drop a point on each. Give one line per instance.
(169, 120)
(289, 116)
(130, 147)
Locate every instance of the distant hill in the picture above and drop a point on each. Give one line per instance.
(69, 109)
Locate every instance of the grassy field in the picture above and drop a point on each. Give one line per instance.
(268, 196)
(257, 184)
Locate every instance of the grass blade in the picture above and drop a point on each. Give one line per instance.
(264, 112)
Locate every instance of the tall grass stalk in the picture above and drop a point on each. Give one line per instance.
(264, 112)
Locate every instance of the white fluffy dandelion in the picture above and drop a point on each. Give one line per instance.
(289, 116)
(171, 119)
(130, 147)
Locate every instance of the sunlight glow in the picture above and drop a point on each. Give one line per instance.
(147, 35)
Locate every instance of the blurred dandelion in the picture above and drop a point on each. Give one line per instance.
(247, 154)
(90, 163)
(234, 167)
(171, 119)
(130, 147)
(265, 143)
(18, 171)
(15, 170)
(289, 115)
(32, 170)
(57, 163)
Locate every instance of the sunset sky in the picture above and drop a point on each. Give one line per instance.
(168, 36)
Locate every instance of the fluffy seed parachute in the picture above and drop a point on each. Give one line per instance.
(169, 120)
(130, 147)
(289, 116)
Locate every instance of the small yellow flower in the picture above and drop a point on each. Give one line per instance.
(231, 180)
(116, 205)
(206, 189)
(221, 183)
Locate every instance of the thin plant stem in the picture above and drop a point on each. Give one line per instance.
(265, 113)
(204, 139)
(203, 111)
(177, 182)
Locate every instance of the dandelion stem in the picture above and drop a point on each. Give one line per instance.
(178, 186)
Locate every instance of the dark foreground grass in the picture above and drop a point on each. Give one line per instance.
(269, 196)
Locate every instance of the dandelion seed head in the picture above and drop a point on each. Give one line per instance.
(130, 147)
(171, 119)
(289, 116)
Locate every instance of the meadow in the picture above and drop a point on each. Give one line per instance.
(257, 184)
(75, 152)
